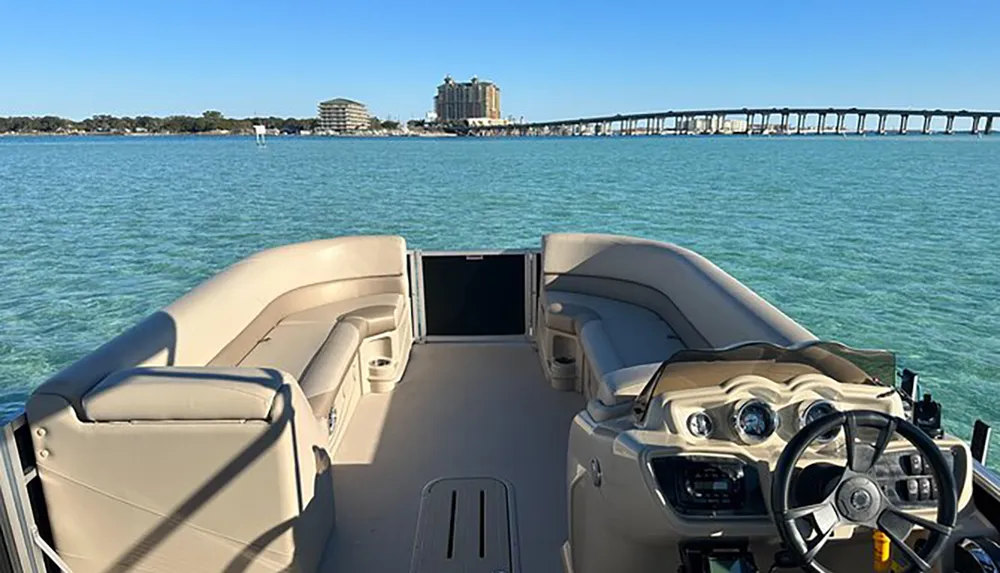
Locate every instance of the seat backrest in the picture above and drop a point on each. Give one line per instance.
(228, 314)
(704, 305)
(184, 469)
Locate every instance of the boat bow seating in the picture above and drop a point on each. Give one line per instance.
(611, 303)
(247, 383)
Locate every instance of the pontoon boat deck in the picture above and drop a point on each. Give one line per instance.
(603, 404)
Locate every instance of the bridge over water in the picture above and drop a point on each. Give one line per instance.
(748, 121)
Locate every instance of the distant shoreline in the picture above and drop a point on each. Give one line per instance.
(219, 134)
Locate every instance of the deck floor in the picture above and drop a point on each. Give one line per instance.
(462, 410)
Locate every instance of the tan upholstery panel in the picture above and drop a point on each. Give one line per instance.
(375, 320)
(332, 312)
(238, 294)
(323, 378)
(197, 496)
(721, 309)
(636, 334)
(165, 393)
(625, 384)
(323, 302)
(633, 293)
(289, 347)
(224, 314)
(599, 349)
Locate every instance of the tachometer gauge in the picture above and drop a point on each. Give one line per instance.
(754, 421)
(809, 413)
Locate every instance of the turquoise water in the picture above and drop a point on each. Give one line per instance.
(877, 242)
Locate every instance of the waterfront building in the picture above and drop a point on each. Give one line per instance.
(456, 101)
(342, 114)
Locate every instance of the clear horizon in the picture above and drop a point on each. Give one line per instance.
(550, 61)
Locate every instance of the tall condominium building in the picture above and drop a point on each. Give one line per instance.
(472, 99)
(342, 115)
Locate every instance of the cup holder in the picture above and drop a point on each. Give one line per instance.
(563, 367)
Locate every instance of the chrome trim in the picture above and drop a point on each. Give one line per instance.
(980, 555)
(986, 478)
(422, 324)
(804, 417)
(711, 424)
(738, 413)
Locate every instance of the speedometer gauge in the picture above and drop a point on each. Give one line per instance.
(814, 411)
(754, 421)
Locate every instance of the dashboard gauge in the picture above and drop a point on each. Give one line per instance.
(754, 421)
(700, 425)
(814, 411)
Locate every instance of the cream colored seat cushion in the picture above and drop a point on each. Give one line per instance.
(635, 335)
(323, 377)
(625, 384)
(331, 313)
(177, 393)
(289, 347)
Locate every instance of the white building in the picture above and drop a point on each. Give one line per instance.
(342, 114)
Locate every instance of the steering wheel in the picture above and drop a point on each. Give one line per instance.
(857, 498)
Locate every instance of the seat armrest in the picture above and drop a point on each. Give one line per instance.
(625, 384)
(185, 393)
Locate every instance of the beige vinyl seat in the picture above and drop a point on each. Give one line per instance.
(619, 306)
(200, 439)
(612, 334)
(318, 346)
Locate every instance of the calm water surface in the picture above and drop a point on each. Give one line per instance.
(877, 242)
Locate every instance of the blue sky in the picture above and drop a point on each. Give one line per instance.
(76, 58)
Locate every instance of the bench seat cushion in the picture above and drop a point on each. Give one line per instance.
(183, 393)
(289, 347)
(331, 313)
(326, 372)
(634, 334)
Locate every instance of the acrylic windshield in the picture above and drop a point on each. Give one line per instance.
(691, 369)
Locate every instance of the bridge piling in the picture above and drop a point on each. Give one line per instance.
(758, 120)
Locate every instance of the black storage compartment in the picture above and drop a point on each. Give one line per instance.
(474, 295)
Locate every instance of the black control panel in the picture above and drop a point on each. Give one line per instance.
(907, 481)
(709, 486)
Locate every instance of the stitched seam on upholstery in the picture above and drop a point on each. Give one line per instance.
(156, 513)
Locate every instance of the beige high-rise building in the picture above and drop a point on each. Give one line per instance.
(342, 115)
(464, 100)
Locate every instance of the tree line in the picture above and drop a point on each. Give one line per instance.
(210, 121)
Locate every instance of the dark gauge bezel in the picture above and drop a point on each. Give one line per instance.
(711, 424)
(804, 420)
(772, 421)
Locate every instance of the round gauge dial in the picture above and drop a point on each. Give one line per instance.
(816, 410)
(755, 421)
(700, 424)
